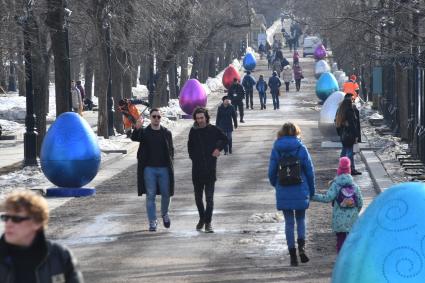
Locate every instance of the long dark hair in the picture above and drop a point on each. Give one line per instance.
(341, 113)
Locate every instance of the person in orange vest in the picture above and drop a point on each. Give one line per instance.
(130, 113)
(352, 86)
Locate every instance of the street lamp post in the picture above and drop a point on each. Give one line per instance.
(109, 101)
(30, 136)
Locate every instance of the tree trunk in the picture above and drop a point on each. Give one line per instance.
(221, 61)
(172, 80)
(55, 20)
(160, 96)
(228, 54)
(204, 67)
(144, 69)
(126, 84)
(195, 65)
(183, 69)
(212, 65)
(88, 74)
(76, 65)
(117, 86)
(20, 66)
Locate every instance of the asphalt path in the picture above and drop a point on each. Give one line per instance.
(108, 233)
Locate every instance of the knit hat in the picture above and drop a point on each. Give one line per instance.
(344, 166)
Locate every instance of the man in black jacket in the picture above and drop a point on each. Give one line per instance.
(225, 114)
(155, 174)
(25, 254)
(236, 93)
(204, 146)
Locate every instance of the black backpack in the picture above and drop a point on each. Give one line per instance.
(290, 169)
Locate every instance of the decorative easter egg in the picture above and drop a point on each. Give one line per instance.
(192, 95)
(320, 52)
(249, 62)
(70, 154)
(327, 116)
(229, 74)
(387, 243)
(321, 67)
(326, 85)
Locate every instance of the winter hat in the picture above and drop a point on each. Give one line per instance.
(344, 166)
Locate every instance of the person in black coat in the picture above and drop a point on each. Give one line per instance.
(274, 85)
(155, 173)
(347, 125)
(25, 253)
(204, 146)
(225, 114)
(236, 93)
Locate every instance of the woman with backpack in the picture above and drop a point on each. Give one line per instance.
(346, 122)
(291, 173)
(347, 201)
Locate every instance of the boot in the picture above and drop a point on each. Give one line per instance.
(293, 255)
(301, 250)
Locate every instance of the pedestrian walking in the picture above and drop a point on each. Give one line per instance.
(77, 102)
(25, 253)
(347, 201)
(226, 118)
(248, 83)
(274, 85)
(261, 87)
(291, 173)
(298, 74)
(81, 90)
(155, 173)
(352, 86)
(236, 93)
(287, 76)
(204, 146)
(347, 126)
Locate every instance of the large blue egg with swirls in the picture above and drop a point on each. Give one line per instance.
(249, 62)
(387, 243)
(70, 154)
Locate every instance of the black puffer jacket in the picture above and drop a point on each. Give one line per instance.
(57, 264)
(236, 93)
(138, 135)
(351, 125)
(201, 144)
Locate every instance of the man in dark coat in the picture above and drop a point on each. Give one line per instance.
(155, 174)
(225, 114)
(236, 93)
(248, 83)
(25, 253)
(204, 146)
(274, 85)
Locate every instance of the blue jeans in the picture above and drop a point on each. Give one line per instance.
(275, 98)
(263, 98)
(228, 147)
(290, 223)
(156, 177)
(348, 151)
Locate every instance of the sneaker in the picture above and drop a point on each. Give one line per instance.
(230, 151)
(355, 172)
(208, 228)
(225, 153)
(242, 121)
(200, 225)
(166, 220)
(152, 226)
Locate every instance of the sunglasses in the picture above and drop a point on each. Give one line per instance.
(14, 218)
(156, 116)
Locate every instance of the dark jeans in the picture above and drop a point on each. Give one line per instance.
(340, 239)
(298, 84)
(205, 214)
(292, 216)
(239, 107)
(287, 85)
(228, 146)
(276, 103)
(263, 98)
(249, 98)
(348, 151)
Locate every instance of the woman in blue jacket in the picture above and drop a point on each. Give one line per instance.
(293, 200)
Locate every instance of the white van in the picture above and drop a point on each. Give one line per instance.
(310, 44)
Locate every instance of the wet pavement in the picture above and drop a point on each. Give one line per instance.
(108, 232)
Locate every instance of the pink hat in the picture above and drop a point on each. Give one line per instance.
(344, 166)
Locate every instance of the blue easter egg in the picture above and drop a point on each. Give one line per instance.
(387, 243)
(249, 62)
(326, 85)
(70, 154)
